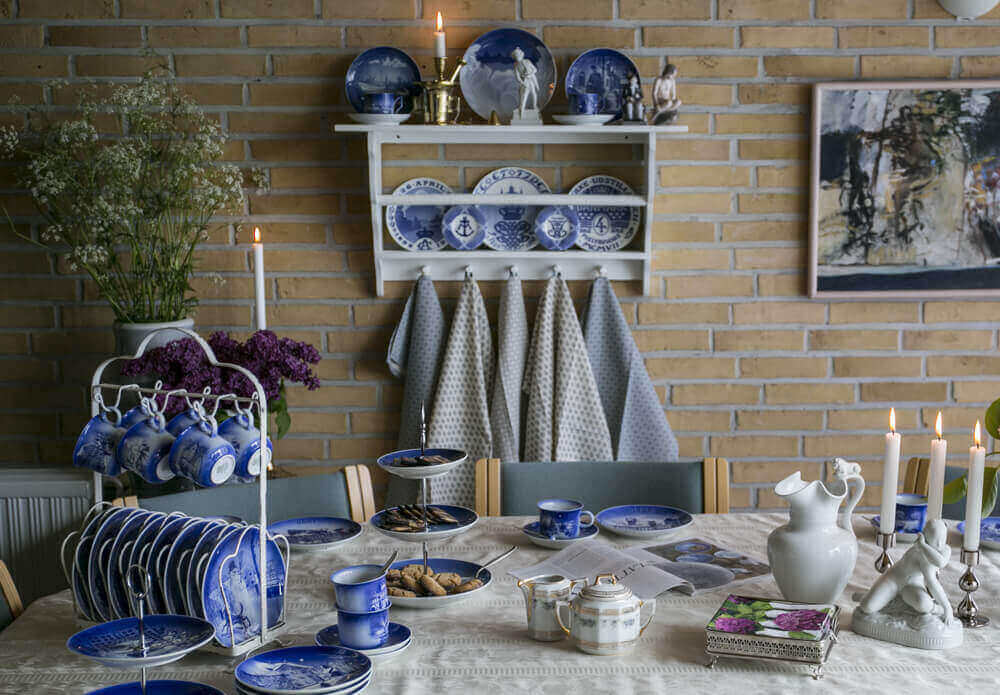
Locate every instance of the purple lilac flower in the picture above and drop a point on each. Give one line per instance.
(744, 626)
(801, 620)
(733, 598)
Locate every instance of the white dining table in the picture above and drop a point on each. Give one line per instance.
(481, 645)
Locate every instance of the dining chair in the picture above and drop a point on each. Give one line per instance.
(916, 482)
(345, 493)
(10, 600)
(510, 489)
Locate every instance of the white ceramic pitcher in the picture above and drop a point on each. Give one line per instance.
(540, 596)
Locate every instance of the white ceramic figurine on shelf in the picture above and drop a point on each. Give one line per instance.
(907, 605)
(665, 101)
(527, 89)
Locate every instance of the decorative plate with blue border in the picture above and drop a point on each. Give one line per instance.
(157, 558)
(989, 532)
(382, 69)
(464, 227)
(535, 535)
(173, 588)
(466, 570)
(117, 593)
(642, 520)
(603, 71)
(159, 687)
(303, 670)
(557, 227)
(397, 641)
(359, 687)
(417, 227)
(100, 553)
(604, 227)
(466, 519)
(488, 81)
(189, 566)
(316, 532)
(509, 227)
(392, 462)
(116, 644)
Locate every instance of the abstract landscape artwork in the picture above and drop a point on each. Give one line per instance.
(905, 195)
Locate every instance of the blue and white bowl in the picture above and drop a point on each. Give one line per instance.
(464, 227)
(643, 520)
(116, 644)
(557, 227)
(360, 588)
(316, 532)
(303, 670)
(366, 630)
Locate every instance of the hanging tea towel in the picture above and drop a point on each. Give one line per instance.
(638, 425)
(565, 420)
(460, 418)
(512, 350)
(415, 356)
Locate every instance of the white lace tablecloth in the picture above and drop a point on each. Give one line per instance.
(480, 646)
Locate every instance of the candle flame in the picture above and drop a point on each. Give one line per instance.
(976, 437)
(256, 235)
(440, 23)
(937, 425)
(892, 419)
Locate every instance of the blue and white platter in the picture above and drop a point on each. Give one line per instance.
(464, 227)
(391, 463)
(190, 565)
(316, 532)
(116, 644)
(397, 641)
(303, 670)
(876, 522)
(509, 227)
(382, 69)
(466, 519)
(642, 520)
(488, 81)
(603, 71)
(185, 541)
(117, 593)
(418, 227)
(605, 227)
(157, 558)
(159, 687)
(535, 536)
(466, 570)
(557, 227)
(100, 552)
(989, 533)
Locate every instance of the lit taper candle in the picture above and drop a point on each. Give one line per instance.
(935, 482)
(440, 44)
(890, 476)
(258, 273)
(974, 492)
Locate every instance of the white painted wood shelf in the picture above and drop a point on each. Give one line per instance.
(487, 264)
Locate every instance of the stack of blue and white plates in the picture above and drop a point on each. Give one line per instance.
(304, 671)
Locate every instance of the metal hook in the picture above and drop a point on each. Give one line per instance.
(602, 271)
(512, 272)
(425, 270)
(468, 272)
(167, 395)
(556, 271)
(218, 401)
(122, 389)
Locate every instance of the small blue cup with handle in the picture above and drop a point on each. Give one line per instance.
(584, 103)
(911, 513)
(366, 630)
(382, 102)
(179, 423)
(201, 455)
(145, 447)
(360, 588)
(559, 518)
(96, 446)
(240, 431)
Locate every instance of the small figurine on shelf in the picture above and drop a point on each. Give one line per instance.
(633, 110)
(665, 101)
(527, 88)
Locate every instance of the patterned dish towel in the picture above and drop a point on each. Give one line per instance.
(565, 420)
(512, 350)
(461, 419)
(638, 425)
(415, 356)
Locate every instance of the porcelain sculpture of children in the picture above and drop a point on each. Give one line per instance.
(527, 85)
(665, 101)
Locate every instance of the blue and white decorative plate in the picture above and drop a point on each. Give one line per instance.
(100, 553)
(316, 532)
(603, 71)
(392, 463)
(379, 118)
(157, 558)
(172, 582)
(238, 578)
(989, 532)
(190, 564)
(116, 644)
(557, 227)
(382, 69)
(535, 536)
(642, 520)
(464, 227)
(509, 227)
(117, 593)
(466, 519)
(582, 119)
(159, 687)
(80, 592)
(397, 641)
(418, 227)
(488, 80)
(303, 670)
(359, 687)
(466, 570)
(603, 227)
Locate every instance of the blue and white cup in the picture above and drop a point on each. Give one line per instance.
(584, 103)
(132, 416)
(366, 630)
(145, 449)
(360, 589)
(911, 513)
(180, 422)
(382, 102)
(240, 431)
(201, 455)
(96, 445)
(559, 518)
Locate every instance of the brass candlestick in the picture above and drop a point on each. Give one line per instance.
(441, 105)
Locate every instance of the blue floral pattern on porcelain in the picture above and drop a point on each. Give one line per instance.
(509, 227)
(418, 227)
(304, 669)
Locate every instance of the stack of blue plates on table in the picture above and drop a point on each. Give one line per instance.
(304, 671)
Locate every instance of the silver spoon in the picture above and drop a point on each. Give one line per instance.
(392, 559)
(495, 560)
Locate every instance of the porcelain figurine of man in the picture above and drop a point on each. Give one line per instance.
(665, 101)
(633, 108)
(527, 80)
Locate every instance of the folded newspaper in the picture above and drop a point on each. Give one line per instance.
(689, 566)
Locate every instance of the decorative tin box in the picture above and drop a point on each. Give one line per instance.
(758, 628)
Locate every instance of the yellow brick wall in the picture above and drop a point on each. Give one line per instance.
(747, 366)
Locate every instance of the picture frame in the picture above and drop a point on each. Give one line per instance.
(904, 197)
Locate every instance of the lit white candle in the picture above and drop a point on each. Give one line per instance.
(935, 483)
(890, 476)
(258, 274)
(974, 493)
(440, 45)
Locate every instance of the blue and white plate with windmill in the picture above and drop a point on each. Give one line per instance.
(303, 670)
(464, 227)
(603, 71)
(605, 227)
(557, 227)
(382, 69)
(488, 80)
(642, 520)
(116, 644)
(418, 227)
(316, 532)
(509, 227)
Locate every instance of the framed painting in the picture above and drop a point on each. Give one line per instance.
(905, 193)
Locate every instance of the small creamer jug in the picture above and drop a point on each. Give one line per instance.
(540, 596)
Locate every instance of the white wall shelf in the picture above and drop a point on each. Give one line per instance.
(487, 264)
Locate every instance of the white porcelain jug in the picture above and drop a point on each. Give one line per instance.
(605, 618)
(812, 556)
(540, 596)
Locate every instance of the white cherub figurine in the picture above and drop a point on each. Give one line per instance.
(527, 80)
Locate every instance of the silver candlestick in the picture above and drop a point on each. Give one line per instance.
(884, 541)
(968, 611)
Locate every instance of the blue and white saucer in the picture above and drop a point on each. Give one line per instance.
(582, 119)
(116, 644)
(464, 227)
(557, 227)
(303, 670)
(381, 69)
(418, 227)
(397, 641)
(465, 517)
(603, 71)
(876, 521)
(159, 687)
(535, 536)
(379, 118)
(642, 520)
(316, 532)
(509, 227)
(989, 532)
(605, 227)
(488, 80)
(353, 689)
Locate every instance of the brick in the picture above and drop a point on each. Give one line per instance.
(690, 259)
(333, 396)
(305, 260)
(693, 149)
(783, 367)
(709, 286)
(28, 66)
(754, 445)
(375, 423)
(716, 66)
(809, 66)
(758, 340)
(784, 176)
(759, 123)
(763, 203)
(473, 152)
(683, 231)
(662, 9)
(845, 445)
(13, 343)
(252, 9)
(686, 203)
(876, 366)
(707, 94)
(963, 365)
(313, 177)
(66, 9)
(861, 9)
(884, 37)
(299, 35)
(293, 150)
(779, 312)
(221, 260)
(28, 94)
(947, 340)
(566, 9)
(690, 368)
(22, 36)
(104, 37)
(27, 317)
(965, 37)
(952, 419)
(73, 342)
(894, 391)
(698, 420)
(214, 37)
(659, 313)
(769, 471)
(978, 391)
(875, 312)
(407, 37)
(715, 176)
(115, 65)
(177, 9)
(774, 149)
(783, 285)
(980, 66)
(779, 420)
(763, 231)
(219, 65)
(880, 67)
(764, 9)
(295, 205)
(337, 287)
(588, 36)
(853, 340)
(480, 9)
(870, 419)
(774, 93)
(710, 394)
(293, 448)
(788, 394)
(787, 37)
(771, 257)
(319, 423)
(37, 289)
(358, 448)
(700, 37)
(290, 233)
(383, 9)
(657, 341)
(308, 314)
(377, 314)
(961, 312)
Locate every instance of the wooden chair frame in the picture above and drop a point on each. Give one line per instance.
(916, 480)
(9, 591)
(715, 474)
